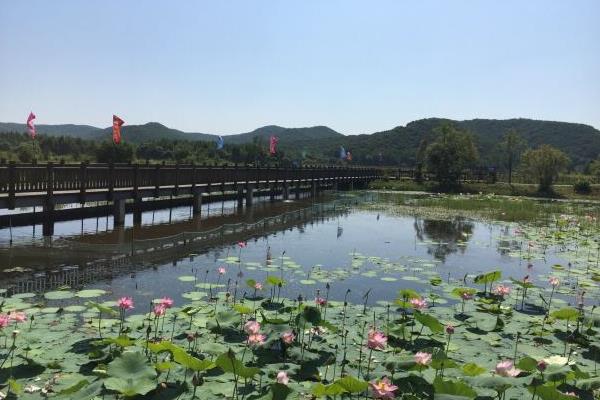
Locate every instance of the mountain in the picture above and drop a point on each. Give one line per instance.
(285, 134)
(396, 146)
(80, 131)
(153, 131)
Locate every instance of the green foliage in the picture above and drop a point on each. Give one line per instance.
(449, 155)
(545, 163)
(582, 187)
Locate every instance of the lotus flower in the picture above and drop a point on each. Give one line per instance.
(554, 281)
(125, 303)
(418, 304)
(4, 320)
(502, 290)
(466, 296)
(423, 358)
(376, 340)
(252, 327)
(159, 310)
(450, 329)
(282, 378)
(241, 245)
(320, 301)
(288, 337)
(17, 316)
(167, 302)
(221, 270)
(383, 389)
(256, 339)
(507, 368)
(258, 286)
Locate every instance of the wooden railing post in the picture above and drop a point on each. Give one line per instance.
(111, 181)
(82, 181)
(157, 181)
(12, 177)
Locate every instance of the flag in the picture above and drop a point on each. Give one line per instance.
(30, 125)
(342, 153)
(349, 156)
(220, 143)
(273, 144)
(117, 122)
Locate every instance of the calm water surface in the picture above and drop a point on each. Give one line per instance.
(361, 251)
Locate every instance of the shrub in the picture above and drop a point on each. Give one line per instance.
(582, 187)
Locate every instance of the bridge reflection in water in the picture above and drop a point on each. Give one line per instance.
(111, 254)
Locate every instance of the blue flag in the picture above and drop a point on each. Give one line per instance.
(342, 153)
(220, 143)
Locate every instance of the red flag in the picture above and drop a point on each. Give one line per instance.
(273, 144)
(30, 125)
(117, 122)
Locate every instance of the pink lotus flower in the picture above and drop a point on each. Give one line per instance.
(125, 303)
(4, 321)
(466, 296)
(167, 302)
(258, 286)
(502, 290)
(17, 316)
(256, 339)
(418, 304)
(376, 340)
(282, 378)
(383, 389)
(252, 327)
(423, 358)
(159, 310)
(450, 329)
(241, 245)
(553, 281)
(507, 368)
(288, 337)
(542, 365)
(320, 301)
(221, 270)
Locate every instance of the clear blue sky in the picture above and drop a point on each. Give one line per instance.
(356, 66)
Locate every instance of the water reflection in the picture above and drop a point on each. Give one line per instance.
(444, 237)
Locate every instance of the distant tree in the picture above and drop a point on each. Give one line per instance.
(26, 153)
(594, 168)
(420, 160)
(451, 152)
(512, 146)
(118, 153)
(544, 164)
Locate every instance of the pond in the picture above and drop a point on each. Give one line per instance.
(402, 266)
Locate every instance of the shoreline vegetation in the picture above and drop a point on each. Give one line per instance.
(499, 188)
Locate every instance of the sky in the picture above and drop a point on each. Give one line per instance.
(230, 66)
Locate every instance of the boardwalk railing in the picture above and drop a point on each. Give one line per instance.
(23, 178)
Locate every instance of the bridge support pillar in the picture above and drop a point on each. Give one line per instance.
(335, 186)
(272, 189)
(297, 194)
(137, 211)
(119, 212)
(249, 195)
(314, 185)
(351, 185)
(240, 196)
(286, 190)
(197, 201)
(48, 225)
